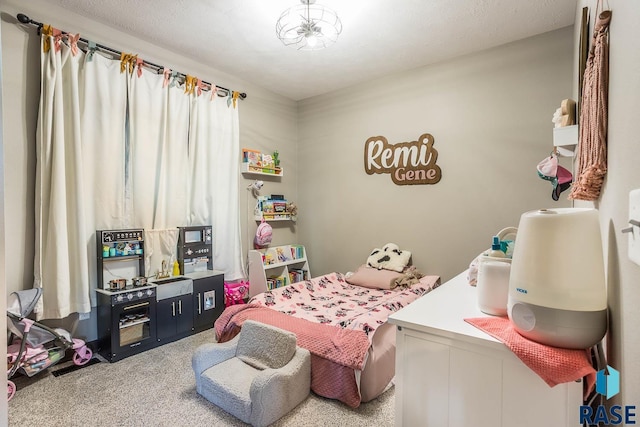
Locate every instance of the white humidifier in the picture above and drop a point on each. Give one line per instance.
(557, 292)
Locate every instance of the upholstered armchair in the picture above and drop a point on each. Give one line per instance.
(258, 376)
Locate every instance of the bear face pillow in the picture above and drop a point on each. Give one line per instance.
(390, 257)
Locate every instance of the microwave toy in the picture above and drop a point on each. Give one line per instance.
(195, 248)
(194, 235)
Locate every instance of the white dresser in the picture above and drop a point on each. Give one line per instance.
(449, 373)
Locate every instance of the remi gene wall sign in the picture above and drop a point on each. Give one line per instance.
(408, 163)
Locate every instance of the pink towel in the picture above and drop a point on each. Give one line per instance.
(554, 365)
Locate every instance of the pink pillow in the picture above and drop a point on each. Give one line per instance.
(368, 277)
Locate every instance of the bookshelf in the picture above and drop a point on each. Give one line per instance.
(276, 267)
(258, 163)
(272, 210)
(247, 168)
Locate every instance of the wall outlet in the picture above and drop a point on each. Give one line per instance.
(84, 316)
(634, 234)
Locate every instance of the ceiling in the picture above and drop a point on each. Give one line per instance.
(379, 37)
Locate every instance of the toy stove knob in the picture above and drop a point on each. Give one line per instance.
(120, 298)
(149, 292)
(129, 297)
(140, 294)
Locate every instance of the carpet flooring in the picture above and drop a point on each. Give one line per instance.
(157, 388)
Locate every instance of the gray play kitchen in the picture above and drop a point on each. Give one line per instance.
(137, 313)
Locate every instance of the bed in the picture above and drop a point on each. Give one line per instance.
(343, 325)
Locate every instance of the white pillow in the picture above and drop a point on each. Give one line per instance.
(390, 257)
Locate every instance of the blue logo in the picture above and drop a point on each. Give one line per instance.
(608, 385)
(522, 291)
(608, 382)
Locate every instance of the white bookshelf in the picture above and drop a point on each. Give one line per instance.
(275, 262)
(247, 168)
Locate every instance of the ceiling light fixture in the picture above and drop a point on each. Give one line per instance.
(308, 26)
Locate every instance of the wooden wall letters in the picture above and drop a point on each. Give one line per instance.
(408, 163)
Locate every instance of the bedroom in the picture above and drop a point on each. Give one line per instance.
(482, 153)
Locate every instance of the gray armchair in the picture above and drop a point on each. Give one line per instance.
(258, 376)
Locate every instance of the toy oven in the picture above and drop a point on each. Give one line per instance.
(127, 322)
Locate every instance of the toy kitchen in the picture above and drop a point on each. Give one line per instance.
(138, 312)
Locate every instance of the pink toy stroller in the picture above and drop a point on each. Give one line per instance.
(33, 346)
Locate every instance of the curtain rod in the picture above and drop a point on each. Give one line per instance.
(24, 19)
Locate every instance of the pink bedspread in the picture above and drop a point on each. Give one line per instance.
(334, 320)
(342, 346)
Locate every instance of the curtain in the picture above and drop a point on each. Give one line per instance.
(103, 112)
(160, 250)
(214, 147)
(120, 147)
(61, 265)
(158, 143)
(80, 171)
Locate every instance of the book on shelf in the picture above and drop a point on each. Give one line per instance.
(277, 255)
(253, 157)
(276, 282)
(271, 284)
(280, 254)
(272, 206)
(297, 251)
(298, 275)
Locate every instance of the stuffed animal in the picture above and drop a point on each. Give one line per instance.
(292, 209)
(390, 257)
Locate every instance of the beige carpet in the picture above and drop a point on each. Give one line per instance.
(157, 388)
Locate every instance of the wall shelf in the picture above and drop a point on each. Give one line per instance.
(273, 217)
(272, 210)
(247, 168)
(566, 139)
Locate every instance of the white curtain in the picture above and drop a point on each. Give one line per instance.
(80, 172)
(125, 150)
(160, 246)
(158, 143)
(61, 266)
(103, 113)
(214, 150)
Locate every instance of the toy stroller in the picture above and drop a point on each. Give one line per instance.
(33, 346)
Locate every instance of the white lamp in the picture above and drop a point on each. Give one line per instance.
(557, 292)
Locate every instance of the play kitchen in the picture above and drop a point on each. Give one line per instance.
(138, 312)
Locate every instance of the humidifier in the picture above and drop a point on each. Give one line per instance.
(557, 293)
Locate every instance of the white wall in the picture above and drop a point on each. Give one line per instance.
(490, 115)
(623, 340)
